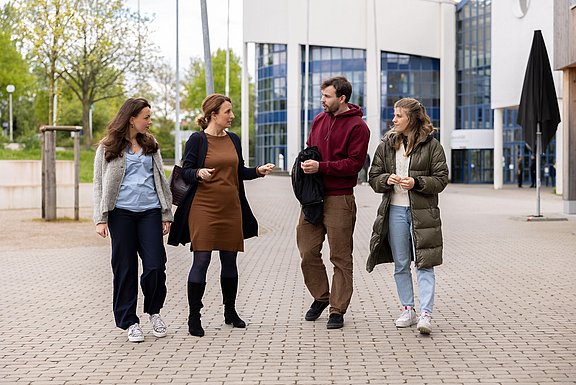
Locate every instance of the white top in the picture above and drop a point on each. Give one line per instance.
(400, 196)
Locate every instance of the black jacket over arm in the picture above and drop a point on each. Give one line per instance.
(309, 188)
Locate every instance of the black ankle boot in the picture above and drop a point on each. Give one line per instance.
(229, 289)
(195, 294)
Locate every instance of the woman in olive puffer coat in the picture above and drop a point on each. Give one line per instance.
(409, 169)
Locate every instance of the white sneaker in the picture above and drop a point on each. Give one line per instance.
(425, 323)
(135, 333)
(407, 317)
(158, 326)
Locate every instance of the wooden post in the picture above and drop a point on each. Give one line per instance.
(76, 175)
(49, 201)
(43, 167)
(50, 175)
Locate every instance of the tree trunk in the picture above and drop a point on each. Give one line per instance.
(86, 123)
(51, 92)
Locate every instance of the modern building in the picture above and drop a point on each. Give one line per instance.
(464, 61)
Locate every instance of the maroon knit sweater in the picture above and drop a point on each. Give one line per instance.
(343, 142)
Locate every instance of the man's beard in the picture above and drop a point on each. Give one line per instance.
(329, 109)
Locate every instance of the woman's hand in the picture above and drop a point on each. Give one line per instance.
(205, 173)
(394, 179)
(166, 227)
(102, 229)
(407, 182)
(266, 169)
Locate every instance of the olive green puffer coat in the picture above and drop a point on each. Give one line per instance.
(428, 166)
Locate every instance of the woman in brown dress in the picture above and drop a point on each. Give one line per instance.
(215, 214)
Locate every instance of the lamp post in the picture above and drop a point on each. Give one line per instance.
(10, 88)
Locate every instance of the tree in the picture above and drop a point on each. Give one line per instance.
(15, 70)
(108, 41)
(195, 90)
(44, 27)
(195, 84)
(165, 90)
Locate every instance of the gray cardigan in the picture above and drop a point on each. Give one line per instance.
(108, 177)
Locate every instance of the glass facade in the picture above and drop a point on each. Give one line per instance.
(472, 166)
(473, 109)
(326, 62)
(515, 146)
(473, 40)
(270, 109)
(409, 76)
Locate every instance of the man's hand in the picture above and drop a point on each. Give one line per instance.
(310, 166)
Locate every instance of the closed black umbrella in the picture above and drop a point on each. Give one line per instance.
(538, 112)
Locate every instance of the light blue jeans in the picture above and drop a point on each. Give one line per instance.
(400, 238)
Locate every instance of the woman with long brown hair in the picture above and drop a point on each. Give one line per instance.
(133, 204)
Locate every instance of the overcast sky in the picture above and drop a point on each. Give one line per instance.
(163, 26)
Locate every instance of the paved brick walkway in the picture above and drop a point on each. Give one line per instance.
(504, 311)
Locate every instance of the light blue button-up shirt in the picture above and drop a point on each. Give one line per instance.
(137, 191)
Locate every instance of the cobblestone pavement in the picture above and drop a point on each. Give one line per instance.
(504, 306)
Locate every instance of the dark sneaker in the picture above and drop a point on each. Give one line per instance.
(315, 310)
(336, 321)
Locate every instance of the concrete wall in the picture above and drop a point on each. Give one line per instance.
(21, 185)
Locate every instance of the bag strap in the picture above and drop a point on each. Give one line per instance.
(197, 152)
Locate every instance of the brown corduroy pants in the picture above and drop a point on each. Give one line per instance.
(338, 224)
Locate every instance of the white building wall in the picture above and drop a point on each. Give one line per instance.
(447, 78)
(511, 41)
(404, 26)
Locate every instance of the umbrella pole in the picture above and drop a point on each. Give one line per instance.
(538, 151)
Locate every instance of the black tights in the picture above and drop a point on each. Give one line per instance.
(202, 261)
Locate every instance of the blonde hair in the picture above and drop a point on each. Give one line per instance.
(419, 125)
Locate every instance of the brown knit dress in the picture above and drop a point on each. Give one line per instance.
(215, 219)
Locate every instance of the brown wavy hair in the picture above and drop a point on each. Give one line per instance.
(341, 85)
(211, 104)
(419, 125)
(115, 142)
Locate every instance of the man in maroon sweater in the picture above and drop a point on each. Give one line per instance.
(342, 139)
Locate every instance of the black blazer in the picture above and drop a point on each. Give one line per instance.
(194, 157)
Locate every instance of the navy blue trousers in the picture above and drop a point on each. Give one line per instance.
(136, 234)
